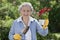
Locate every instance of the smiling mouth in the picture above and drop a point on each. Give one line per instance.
(25, 14)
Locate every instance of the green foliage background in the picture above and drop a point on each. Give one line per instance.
(9, 12)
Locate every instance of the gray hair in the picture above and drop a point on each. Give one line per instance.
(25, 3)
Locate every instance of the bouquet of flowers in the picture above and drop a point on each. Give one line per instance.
(46, 22)
(18, 36)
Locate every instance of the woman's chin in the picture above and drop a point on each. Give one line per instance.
(26, 15)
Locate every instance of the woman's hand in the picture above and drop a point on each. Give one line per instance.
(45, 24)
(17, 37)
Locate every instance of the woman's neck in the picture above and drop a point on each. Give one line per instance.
(25, 20)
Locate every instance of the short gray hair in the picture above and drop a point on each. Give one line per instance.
(25, 3)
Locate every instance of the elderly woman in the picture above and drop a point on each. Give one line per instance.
(26, 26)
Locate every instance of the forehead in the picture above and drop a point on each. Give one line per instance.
(26, 7)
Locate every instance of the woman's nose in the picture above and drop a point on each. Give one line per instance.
(26, 12)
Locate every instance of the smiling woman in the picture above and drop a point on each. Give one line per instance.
(24, 28)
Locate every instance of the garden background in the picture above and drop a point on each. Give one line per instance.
(9, 12)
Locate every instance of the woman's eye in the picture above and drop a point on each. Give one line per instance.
(27, 10)
(23, 10)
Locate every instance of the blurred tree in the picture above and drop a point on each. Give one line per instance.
(54, 19)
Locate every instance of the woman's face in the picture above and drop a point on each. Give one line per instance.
(25, 11)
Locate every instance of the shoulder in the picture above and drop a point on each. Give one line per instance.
(35, 20)
(16, 21)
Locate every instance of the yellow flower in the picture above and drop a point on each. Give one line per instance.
(45, 24)
(17, 37)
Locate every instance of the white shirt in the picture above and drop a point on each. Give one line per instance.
(28, 34)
